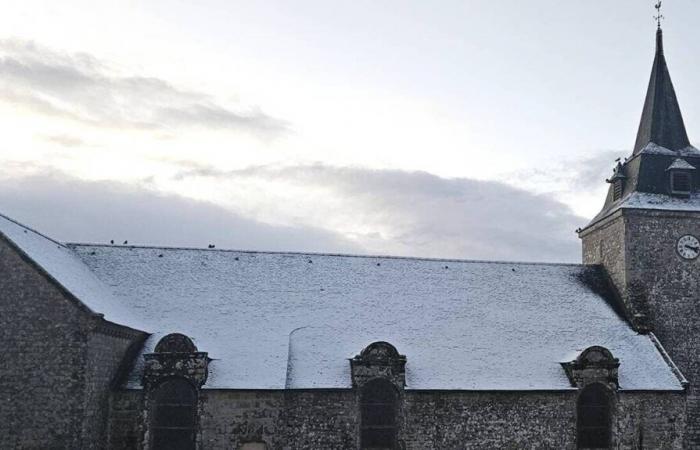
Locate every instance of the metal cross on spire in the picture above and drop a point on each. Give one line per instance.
(658, 17)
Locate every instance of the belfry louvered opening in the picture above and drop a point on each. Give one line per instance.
(681, 183)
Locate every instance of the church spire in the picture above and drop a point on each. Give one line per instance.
(662, 122)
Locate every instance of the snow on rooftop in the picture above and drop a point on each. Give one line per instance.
(280, 320)
(680, 163)
(645, 200)
(63, 265)
(654, 149)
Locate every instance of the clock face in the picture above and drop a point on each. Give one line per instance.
(688, 247)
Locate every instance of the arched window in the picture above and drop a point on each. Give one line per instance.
(378, 403)
(594, 421)
(174, 415)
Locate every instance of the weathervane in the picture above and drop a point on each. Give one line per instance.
(658, 17)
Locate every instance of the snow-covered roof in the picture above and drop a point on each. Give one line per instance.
(680, 164)
(663, 202)
(66, 269)
(654, 149)
(285, 320)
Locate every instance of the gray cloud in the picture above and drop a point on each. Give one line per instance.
(72, 210)
(433, 216)
(575, 175)
(591, 172)
(80, 87)
(401, 213)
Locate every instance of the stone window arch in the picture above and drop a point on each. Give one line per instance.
(378, 411)
(594, 417)
(174, 415)
(379, 351)
(175, 343)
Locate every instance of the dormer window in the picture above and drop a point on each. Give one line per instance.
(617, 189)
(617, 181)
(680, 183)
(680, 177)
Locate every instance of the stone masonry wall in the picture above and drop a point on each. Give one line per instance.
(321, 419)
(461, 420)
(229, 419)
(670, 288)
(125, 413)
(58, 364)
(329, 420)
(41, 375)
(670, 284)
(658, 283)
(650, 420)
(107, 347)
(604, 244)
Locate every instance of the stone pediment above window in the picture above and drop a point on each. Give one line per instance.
(175, 355)
(379, 360)
(175, 343)
(595, 364)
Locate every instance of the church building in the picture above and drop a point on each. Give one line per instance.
(153, 348)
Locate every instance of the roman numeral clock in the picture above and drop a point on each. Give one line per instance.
(688, 247)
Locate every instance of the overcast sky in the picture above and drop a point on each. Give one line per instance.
(469, 129)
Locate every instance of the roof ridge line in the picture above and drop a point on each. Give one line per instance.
(343, 255)
(28, 228)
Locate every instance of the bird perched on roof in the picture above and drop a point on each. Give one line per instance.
(126, 242)
(112, 242)
(212, 246)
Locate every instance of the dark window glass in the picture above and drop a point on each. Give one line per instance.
(594, 417)
(378, 415)
(680, 183)
(174, 416)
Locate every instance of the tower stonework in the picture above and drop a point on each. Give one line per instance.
(647, 236)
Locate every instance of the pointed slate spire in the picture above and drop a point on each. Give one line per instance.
(662, 122)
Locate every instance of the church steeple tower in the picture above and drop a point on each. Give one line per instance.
(647, 236)
(662, 122)
(662, 167)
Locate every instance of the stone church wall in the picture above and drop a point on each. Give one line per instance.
(41, 375)
(507, 420)
(668, 288)
(604, 244)
(650, 420)
(124, 427)
(321, 419)
(329, 420)
(658, 284)
(58, 364)
(230, 418)
(107, 346)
